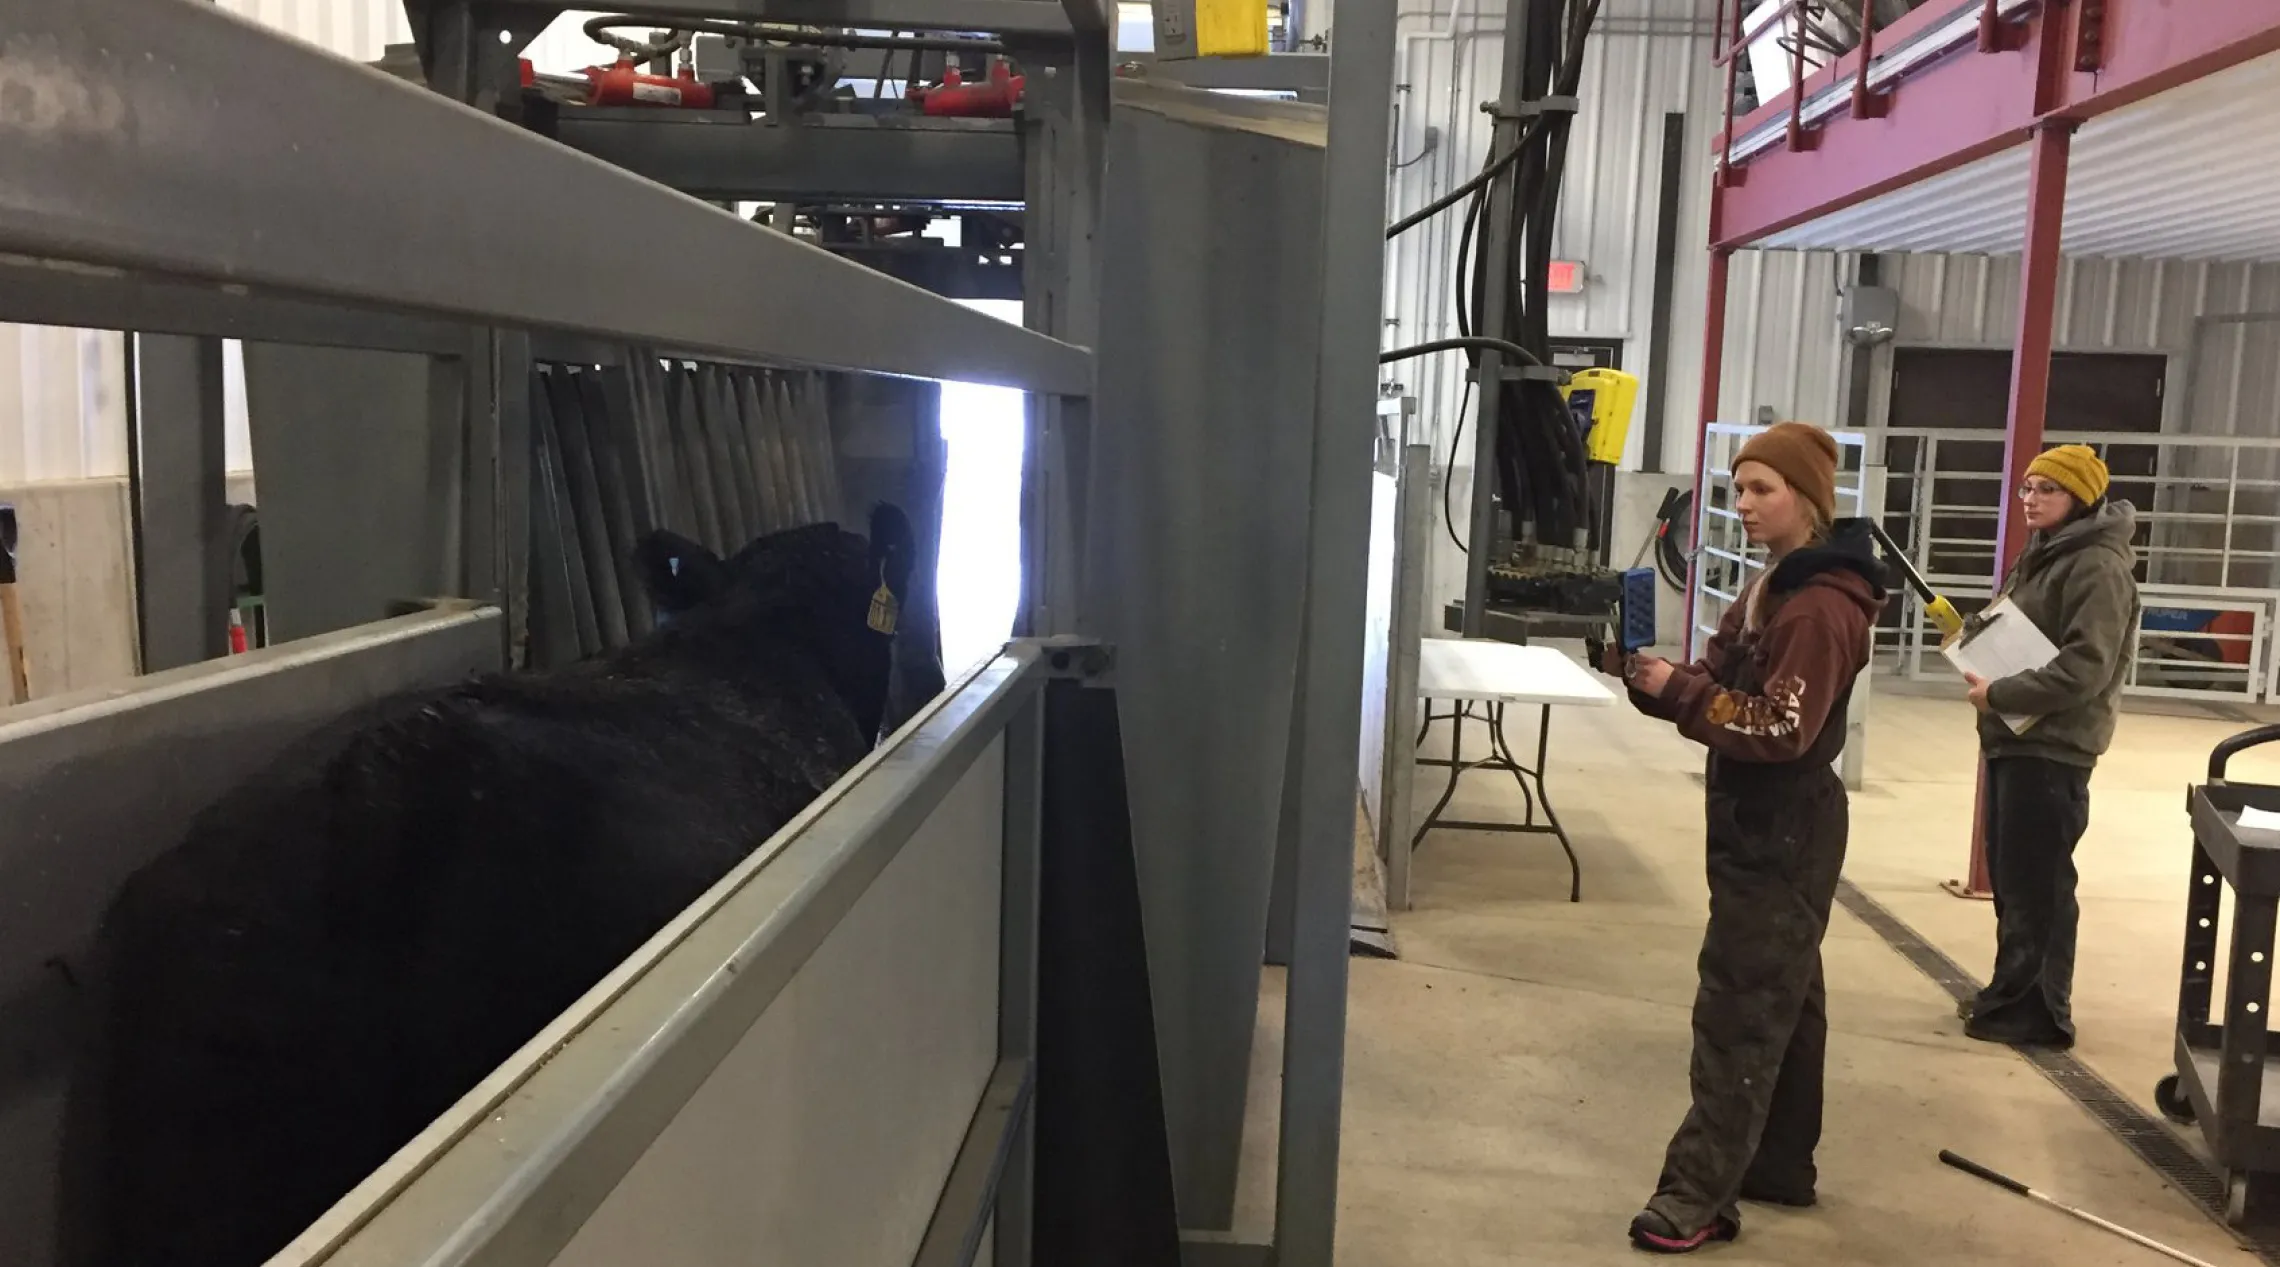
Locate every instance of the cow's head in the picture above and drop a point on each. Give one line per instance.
(838, 593)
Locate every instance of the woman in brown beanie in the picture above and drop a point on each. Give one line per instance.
(1768, 699)
(2077, 582)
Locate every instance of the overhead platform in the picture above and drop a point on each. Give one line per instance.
(2190, 174)
(1953, 82)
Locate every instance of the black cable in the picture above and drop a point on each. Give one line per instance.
(1670, 555)
(1538, 454)
(1513, 350)
(1432, 147)
(1449, 469)
(1450, 199)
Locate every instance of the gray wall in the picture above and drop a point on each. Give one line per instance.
(1200, 492)
(352, 461)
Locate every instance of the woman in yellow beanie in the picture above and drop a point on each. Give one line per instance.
(1768, 700)
(2076, 581)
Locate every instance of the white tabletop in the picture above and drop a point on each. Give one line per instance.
(1479, 669)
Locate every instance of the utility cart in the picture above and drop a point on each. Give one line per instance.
(2223, 1065)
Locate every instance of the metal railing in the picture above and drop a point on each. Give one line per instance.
(1876, 65)
(2209, 547)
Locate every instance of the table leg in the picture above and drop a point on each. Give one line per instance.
(1456, 768)
(1524, 774)
(1501, 758)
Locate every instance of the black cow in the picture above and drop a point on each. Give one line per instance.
(347, 944)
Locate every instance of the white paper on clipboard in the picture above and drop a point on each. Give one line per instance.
(2004, 644)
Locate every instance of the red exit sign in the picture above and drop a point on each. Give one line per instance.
(1564, 277)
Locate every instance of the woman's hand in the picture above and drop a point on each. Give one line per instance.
(1649, 674)
(1978, 695)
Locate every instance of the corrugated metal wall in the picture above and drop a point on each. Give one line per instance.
(1647, 58)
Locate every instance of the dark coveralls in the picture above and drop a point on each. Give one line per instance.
(1769, 700)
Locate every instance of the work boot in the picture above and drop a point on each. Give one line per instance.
(2012, 1034)
(1655, 1234)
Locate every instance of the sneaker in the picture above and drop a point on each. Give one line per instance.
(1656, 1235)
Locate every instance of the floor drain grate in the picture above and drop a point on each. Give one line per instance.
(2154, 1143)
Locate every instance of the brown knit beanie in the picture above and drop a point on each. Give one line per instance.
(1805, 455)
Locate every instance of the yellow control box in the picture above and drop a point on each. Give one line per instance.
(1601, 401)
(1210, 28)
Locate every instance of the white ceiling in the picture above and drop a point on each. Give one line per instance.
(2191, 174)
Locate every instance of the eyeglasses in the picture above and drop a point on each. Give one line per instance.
(2040, 488)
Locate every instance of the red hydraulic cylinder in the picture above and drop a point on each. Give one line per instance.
(993, 98)
(626, 85)
(2030, 399)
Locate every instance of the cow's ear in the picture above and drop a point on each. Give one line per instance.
(678, 573)
(894, 547)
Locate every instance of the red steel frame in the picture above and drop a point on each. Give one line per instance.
(2031, 79)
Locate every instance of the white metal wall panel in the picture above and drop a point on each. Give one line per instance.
(62, 405)
(1647, 58)
(1783, 349)
(362, 30)
(357, 29)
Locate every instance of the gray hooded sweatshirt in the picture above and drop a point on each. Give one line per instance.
(2077, 585)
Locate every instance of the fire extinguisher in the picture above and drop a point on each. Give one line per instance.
(626, 85)
(994, 98)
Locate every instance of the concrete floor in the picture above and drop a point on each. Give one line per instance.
(1512, 1080)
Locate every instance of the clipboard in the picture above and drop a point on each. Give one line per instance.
(1997, 643)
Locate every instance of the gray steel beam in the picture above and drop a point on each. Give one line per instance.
(1091, 17)
(1276, 72)
(858, 159)
(41, 292)
(1064, 144)
(320, 178)
(181, 502)
(1329, 713)
(1002, 17)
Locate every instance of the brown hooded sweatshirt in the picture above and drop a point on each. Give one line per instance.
(1783, 657)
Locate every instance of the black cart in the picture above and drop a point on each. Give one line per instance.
(2223, 1066)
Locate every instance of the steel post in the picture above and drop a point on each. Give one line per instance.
(2030, 397)
(181, 501)
(1064, 139)
(1330, 666)
(1496, 266)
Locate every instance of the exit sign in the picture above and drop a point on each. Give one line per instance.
(1564, 277)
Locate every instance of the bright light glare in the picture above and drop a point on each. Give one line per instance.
(978, 578)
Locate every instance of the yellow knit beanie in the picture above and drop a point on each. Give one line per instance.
(2077, 468)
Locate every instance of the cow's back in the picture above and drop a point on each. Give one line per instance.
(345, 946)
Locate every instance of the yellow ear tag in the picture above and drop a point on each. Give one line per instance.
(884, 609)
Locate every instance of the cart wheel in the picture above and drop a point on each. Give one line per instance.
(2170, 1098)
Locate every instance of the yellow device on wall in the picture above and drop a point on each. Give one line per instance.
(1601, 401)
(1210, 28)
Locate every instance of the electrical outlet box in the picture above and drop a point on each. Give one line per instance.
(1870, 314)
